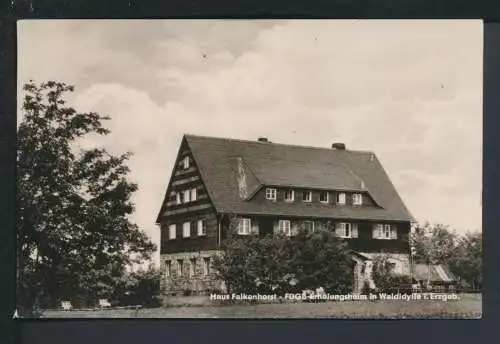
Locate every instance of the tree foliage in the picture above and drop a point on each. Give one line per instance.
(437, 244)
(75, 235)
(279, 264)
(433, 244)
(467, 262)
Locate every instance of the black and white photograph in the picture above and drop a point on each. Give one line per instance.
(249, 169)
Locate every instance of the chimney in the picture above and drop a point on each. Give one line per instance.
(262, 139)
(338, 145)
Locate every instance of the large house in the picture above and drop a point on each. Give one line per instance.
(269, 187)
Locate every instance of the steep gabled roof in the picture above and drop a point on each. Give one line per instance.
(218, 160)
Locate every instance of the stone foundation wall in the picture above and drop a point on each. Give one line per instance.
(196, 278)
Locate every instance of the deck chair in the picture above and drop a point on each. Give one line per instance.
(66, 305)
(104, 303)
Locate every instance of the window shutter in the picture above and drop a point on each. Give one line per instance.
(338, 230)
(394, 232)
(354, 230)
(178, 196)
(375, 231)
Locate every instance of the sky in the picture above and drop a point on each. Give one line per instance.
(409, 90)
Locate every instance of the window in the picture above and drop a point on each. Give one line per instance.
(385, 231)
(357, 199)
(168, 268)
(185, 162)
(193, 195)
(284, 227)
(341, 198)
(271, 194)
(187, 193)
(307, 196)
(308, 226)
(202, 227)
(244, 226)
(186, 230)
(172, 229)
(178, 197)
(192, 267)
(289, 196)
(347, 230)
(323, 197)
(180, 267)
(206, 266)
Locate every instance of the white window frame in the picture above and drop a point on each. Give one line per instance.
(202, 227)
(186, 162)
(186, 229)
(172, 231)
(206, 266)
(285, 226)
(193, 195)
(309, 196)
(357, 199)
(346, 230)
(187, 196)
(271, 194)
(289, 192)
(244, 226)
(312, 224)
(341, 198)
(327, 196)
(384, 232)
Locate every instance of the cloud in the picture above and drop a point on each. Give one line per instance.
(409, 90)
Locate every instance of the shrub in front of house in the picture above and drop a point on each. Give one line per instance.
(279, 264)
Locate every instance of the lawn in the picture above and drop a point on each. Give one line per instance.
(468, 306)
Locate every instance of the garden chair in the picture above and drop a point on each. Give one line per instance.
(104, 303)
(66, 305)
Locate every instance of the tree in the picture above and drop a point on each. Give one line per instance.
(141, 287)
(433, 244)
(467, 262)
(75, 235)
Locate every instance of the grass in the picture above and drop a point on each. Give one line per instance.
(468, 306)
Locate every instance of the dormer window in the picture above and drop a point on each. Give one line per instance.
(289, 196)
(185, 162)
(341, 198)
(357, 199)
(271, 194)
(307, 196)
(323, 197)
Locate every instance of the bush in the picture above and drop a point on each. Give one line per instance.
(278, 264)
